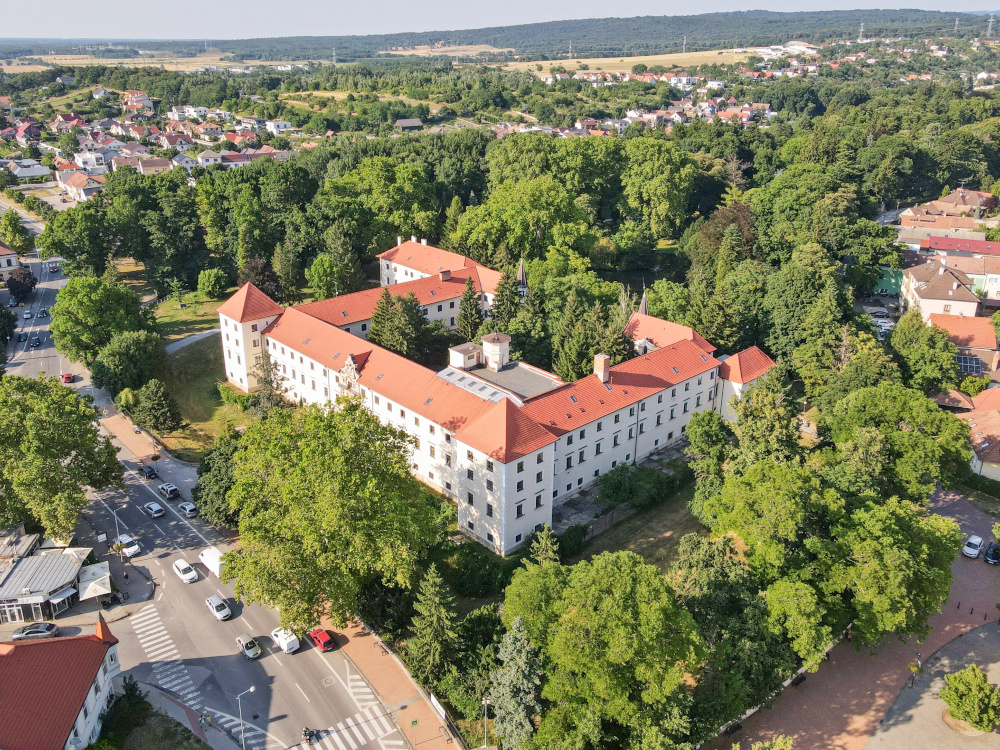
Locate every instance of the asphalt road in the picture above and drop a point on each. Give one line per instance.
(175, 642)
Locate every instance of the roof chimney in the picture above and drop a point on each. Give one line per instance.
(413, 238)
(423, 242)
(941, 271)
(602, 367)
(399, 240)
(444, 275)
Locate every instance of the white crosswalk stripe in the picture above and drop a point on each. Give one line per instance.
(169, 670)
(361, 730)
(388, 744)
(363, 694)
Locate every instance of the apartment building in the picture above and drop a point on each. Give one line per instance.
(503, 439)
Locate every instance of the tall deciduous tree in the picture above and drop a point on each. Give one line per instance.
(926, 354)
(50, 452)
(766, 426)
(312, 538)
(337, 269)
(14, 234)
(434, 643)
(515, 687)
(215, 479)
(129, 360)
(21, 282)
(213, 283)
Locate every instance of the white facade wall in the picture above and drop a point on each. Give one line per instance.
(242, 345)
(985, 468)
(88, 722)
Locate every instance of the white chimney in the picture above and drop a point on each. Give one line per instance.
(941, 271)
(444, 275)
(399, 240)
(423, 242)
(413, 238)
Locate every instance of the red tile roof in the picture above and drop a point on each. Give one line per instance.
(505, 433)
(967, 331)
(984, 432)
(249, 303)
(957, 244)
(43, 685)
(576, 404)
(432, 260)
(746, 366)
(663, 332)
(6, 249)
(358, 306)
(954, 399)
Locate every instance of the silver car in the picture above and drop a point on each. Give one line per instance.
(36, 630)
(973, 546)
(247, 646)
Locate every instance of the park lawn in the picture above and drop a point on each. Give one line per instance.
(191, 375)
(198, 314)
(160, 732)
(133, 274)
(652, 534)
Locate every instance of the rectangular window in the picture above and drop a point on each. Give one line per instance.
(520, 466)
(538, 477)
(447, 486)
(685, 409)
(631, 411)
(569, 440)
(598, 450)
(618, 418)
(451, 305)
(539, 458)
(600, 426)
(489, 485)
(520, 510)
(517, 538)
(614, 442)
(388, 406)
(687, 386)
(659, 419)
(469, 474)
(631, 433)
(569, 462)
(697, 400)
(256, 360)
(489, 537)
(447, 438)
(470, 499)
(376, 400)
(471, 525)
(416, 421)
(447, 459)
(580, 457)
(673, 410)
(402, 413)
(642, 426)
(416, 443)
(673, 393)
(468, 455)
(699, 379)
(583, 434)
(364, 327)
(256, 343)
(642, 406)
(432, 429)
(489, 510)
(659, 399)
(440, 308)
(520, 486)
(431, 449)
(711, 393)
(538, 500)
(313, 385)
(489, 466)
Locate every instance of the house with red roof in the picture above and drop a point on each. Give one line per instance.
(976, 340)
(8, 261)
(54, 692)
(506, 441)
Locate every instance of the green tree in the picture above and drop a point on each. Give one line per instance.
(669, 300)
(452, 216)
(971, 698)
(21, 283)
(213, 283)
(529, 336)
(311, 539)
(506, 303)
(336, 270)
(710, 443)
(766, 425)
(89, 311)
(14, 234)
(129, 360)
(434, 643)
(271, 388)
(792, 293)
(515, 687)
(781, 742)
(215, 479)
(50, 452)
(470, 316)
(973, 386)
(157, 409)
(82, 236)
(926, 354)
(288, 270)
(657, 183)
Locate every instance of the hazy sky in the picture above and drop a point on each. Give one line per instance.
(214, 19)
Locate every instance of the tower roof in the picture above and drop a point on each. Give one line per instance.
(249, 303)
(505, 433)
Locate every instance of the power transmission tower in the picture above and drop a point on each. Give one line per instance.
(956, 25)
(684, 47)
(989, 29)
(861, 32)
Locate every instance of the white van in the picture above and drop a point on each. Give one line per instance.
(285, 640)
(211, 558)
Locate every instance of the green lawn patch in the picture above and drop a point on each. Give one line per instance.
(198, 314)
(191, 375)
(160, 732)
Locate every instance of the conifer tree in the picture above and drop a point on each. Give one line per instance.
(506, 302)
(382, 330)
(515, 687)
(288, 269)
(470, 316)
(529, 337)
(728, 254)
(545, 547)
(435, 636)
(451, 216)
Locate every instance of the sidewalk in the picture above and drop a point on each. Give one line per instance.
(188, 718)
(402, 697)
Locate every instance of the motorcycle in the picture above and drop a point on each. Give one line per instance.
(308, 735)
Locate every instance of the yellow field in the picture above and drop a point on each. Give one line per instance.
(165, 59)
(624, 64)
(462, 50)
(292, 98)
(23, 68)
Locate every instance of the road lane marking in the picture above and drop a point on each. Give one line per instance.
(303, 693)
(245, 620)
(101, 501)
(153, 492)
(159, 529)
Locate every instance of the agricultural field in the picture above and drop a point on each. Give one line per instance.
(623, 64)
(300, 99)
(165, 60)
(461, 50)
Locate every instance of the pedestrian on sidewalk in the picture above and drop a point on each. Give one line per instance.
(126, 576)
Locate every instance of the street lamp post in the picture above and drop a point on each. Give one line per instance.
(243, 739)
(486, 703)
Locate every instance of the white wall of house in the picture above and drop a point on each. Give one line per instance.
(242, 345)
(88, 722)
(985, 468)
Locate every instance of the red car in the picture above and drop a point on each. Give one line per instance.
(323, 640)
(67, 377)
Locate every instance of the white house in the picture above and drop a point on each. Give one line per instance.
(54, 692)
(8, 261)
(277, 127)
(503, 439)
(938, 288)
(24, 169)
(208, 158)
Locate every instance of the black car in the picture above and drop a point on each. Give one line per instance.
(22, 336)
(993, 554)
(148, 472)
(35, 341)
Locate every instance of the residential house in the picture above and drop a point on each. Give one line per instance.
(24, 169)
(134, 149)
(55, 693)
(27, 133)
(183, 161)
(277, 127)
(408, 124)
(208, 158)
(100, 92)
(976, 340)
(234, 159)
(180, 141)
(737, 373)
(936, 288)
(93, 159)
(240, 139)
(65, 80)
(959, 202)
(82, 186)
(504, 440)
(8, 261)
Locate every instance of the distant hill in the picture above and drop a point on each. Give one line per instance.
(596, 37)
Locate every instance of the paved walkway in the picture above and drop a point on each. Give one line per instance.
(186, 717)
(914, 720)
(402, 697)
(171, 348)
(840, 706)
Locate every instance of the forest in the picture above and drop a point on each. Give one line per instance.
(762, 236)
(598, 37)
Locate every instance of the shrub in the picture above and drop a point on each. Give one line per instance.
(571, 541)
(212, 283)
(617, 486)
(231, 396)
(157, 409)
(971, 698)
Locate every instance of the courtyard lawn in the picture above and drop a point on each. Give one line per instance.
(191, 375)
(652, 534)
(198, 314)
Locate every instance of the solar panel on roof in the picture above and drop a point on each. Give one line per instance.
(428, 401)
(379, 376)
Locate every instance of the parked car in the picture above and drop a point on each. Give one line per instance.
(155, 510)
(35, 341)
(148, 472)
(247, 646)
(973, 546)
(184, 571)
(285, 640)
(12, 303)
(21, 336)
(190, 510)
(323, 640)
(992, 555)
(129, 546)
(168, 490)
(67, 377)
(218, 607)
(36, 630)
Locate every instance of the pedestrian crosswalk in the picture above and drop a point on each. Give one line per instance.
(370, 725)
(363, 694)
(251, 735)
(169, 670)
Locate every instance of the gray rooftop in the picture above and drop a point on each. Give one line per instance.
(518, 378)
(42, 576)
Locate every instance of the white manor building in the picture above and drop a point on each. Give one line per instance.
(504, 440)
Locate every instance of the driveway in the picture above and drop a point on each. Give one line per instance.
(840, 705)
